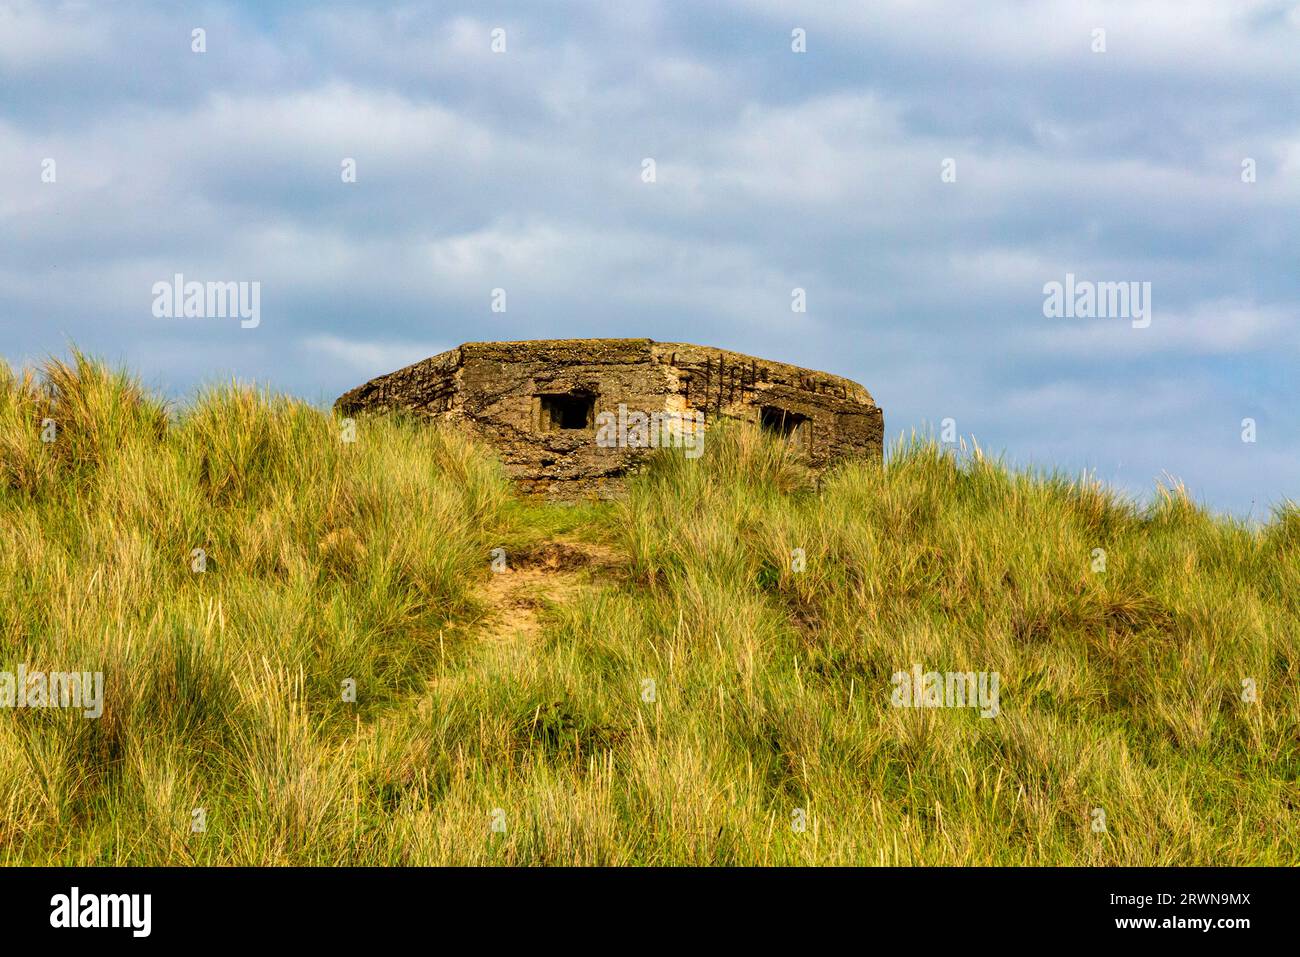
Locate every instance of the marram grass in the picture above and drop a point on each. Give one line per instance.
(707, 699)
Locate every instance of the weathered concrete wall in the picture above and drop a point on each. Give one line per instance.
(843, 419)
(517, 395)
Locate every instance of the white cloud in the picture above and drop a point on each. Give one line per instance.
(1179, 36)
(1219, 327)
(367, 358)
(46, 34)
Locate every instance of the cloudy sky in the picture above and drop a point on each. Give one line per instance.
(774, 170)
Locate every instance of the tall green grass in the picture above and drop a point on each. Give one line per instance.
(692, 706)
(324, 561)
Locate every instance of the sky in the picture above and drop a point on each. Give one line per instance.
(923, 172)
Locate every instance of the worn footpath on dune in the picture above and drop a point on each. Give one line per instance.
(552, 571)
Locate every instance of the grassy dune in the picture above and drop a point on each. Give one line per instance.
(690, 704)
